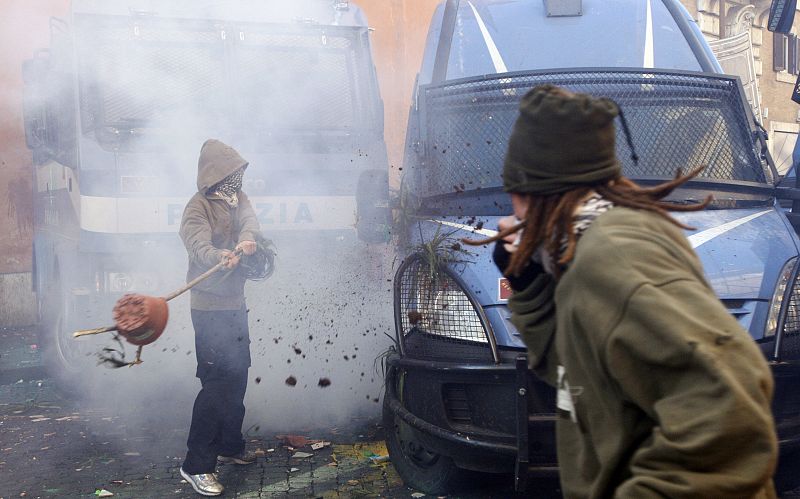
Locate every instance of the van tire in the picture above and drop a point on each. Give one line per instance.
(435, 474)
(63, 365)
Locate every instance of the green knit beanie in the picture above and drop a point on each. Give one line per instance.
(561, 140)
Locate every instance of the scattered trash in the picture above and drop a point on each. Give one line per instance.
(118, 482)
(292, 470)
(293, 440)
(103, 493)
(302, 455)
(352, 482)
(417, 495)
(132, 454)
(270, 450)
(379, 459)
(319, 445)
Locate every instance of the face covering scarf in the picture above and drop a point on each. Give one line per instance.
(591, 208)
(229, 188)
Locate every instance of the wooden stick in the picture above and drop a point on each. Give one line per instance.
(194, 282)
(99, 330)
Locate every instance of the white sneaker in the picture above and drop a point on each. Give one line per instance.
(204, 484)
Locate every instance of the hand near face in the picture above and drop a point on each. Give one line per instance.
(507, 223)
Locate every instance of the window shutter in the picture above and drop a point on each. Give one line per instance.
(778, 52)
(796, 55)
(792, 55)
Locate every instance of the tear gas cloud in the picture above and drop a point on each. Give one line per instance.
(295, 106)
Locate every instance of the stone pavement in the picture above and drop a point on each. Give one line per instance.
(51, 445)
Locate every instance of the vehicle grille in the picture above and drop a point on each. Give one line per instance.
(676, 120)
(456, 404)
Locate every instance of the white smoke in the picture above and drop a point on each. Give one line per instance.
(327, 310)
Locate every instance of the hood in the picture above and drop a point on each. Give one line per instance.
(742, 251)
(217, 161)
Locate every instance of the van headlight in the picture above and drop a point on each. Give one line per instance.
(784, 291)
(125, 282)
(434, 302)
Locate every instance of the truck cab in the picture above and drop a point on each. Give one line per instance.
(116, 110)
(458, 392)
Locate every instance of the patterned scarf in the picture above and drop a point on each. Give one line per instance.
(229, 187)
(585, 215)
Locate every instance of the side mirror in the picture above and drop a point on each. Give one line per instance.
(781, 16)
(372, 207)
(34, 103)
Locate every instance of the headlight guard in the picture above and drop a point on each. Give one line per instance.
(434, 301)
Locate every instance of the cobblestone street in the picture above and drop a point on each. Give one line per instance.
(53, 446)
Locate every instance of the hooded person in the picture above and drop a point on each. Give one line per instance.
(218, 225)
(660, 392)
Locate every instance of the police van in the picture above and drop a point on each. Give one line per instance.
(116, 110)
(458, 392)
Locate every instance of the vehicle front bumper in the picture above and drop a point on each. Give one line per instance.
(486, 417)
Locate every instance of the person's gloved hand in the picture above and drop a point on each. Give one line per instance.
(229, 258)
(247, 247)
(502, 257)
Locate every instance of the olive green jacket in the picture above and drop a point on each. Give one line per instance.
(209, 225)
(660, 392)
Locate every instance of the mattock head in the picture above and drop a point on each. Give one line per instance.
(141, 319)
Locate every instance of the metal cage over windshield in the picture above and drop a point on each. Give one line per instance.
(279, 79)
(677, 120)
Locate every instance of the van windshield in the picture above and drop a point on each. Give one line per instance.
(498, 36)
(272, 79)
(676, 120)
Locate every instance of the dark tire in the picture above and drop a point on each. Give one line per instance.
(419, 468)
(64, 358)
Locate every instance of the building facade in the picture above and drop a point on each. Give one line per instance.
(776, 64)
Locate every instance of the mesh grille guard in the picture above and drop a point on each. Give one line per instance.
(677, 119)
(149, 72)
(435, 318)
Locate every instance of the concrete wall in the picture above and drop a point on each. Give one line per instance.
(23, 28)
(17, 302)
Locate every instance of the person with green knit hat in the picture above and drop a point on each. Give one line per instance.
(660, 392)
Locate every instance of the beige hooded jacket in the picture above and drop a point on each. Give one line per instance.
(210, 225)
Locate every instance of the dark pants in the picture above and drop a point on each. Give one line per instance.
(222, 344)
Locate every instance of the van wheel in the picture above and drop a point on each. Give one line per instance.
(420, 468)
(64, 357)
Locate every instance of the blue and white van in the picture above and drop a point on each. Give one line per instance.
(458, 393)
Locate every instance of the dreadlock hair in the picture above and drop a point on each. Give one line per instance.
(556, 212)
